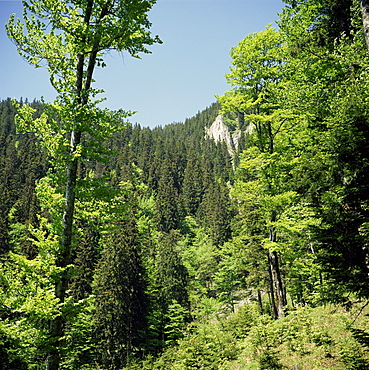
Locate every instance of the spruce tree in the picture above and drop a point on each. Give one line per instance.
(192, 189)
(168, 291)
(216, 213)
(120, 308)
(166, 199)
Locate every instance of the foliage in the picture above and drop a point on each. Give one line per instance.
(28, 297)
(72, 38)
(120, 300)
(317, 338)
(188, 251)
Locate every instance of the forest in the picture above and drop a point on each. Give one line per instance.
(125, 247)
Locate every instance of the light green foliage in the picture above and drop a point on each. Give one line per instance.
(296, 21)
(256, 64)
(316, 338)
(255, 77)
(228, 276)
(57, 33)
(28, 291)
(175, 323)
(80, 343)
(27, 294)
(207, 348)
(102, 203)
(56, 121)
(265, 202)
(241, 322)
(300, 94)
(71, 38)
(302, 99)
(200, 258)
(241, 271)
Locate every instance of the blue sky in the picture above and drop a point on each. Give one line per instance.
(177, 80)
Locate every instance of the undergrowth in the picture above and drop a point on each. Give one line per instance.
(321, 338)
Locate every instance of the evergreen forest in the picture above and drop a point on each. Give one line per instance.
(186, 246)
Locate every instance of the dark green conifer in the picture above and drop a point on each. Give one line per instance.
(166, 199)
(216, 212)
(120, 308)
(192, 187)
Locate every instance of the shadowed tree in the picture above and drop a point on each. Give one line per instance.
(120, 312)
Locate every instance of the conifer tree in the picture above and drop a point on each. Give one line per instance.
(192, 189)
(120, 312)
(216, 212)
(168, 290)
(86, 256)
(166, 199)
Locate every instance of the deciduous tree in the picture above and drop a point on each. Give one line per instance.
(71, 38)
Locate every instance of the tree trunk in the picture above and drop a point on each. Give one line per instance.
(275, 276)
(272, 302)
(57, 325)
(260, 302)
(277, 283)
(364, 5)
(271, 288)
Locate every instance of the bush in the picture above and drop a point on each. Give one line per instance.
(240, 323)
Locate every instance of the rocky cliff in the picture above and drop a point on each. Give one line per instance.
(219, 132)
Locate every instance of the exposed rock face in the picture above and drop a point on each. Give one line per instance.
(236, 138)
(219, 132)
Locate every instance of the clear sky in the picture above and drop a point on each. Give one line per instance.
(177, 80)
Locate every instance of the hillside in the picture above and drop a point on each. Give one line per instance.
(192, 273)
(237, 239)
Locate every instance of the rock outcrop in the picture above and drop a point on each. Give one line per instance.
(219, 132)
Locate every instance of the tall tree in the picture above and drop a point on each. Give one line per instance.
(328, 82)
(257, 68)
(120, 312)
(168, 289)
(192, 186)
(216, 212)
(166, 200)
(71, 39)
(364, 6)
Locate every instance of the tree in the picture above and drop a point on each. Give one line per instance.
(166, 199)
(168, 291)
(328, 81)
(364, 6)
(192, 186)
(86, 255)
(216, 212)
(120, 312)
(257, 69)
(71, 38)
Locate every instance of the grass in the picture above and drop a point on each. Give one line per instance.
(320, 338)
